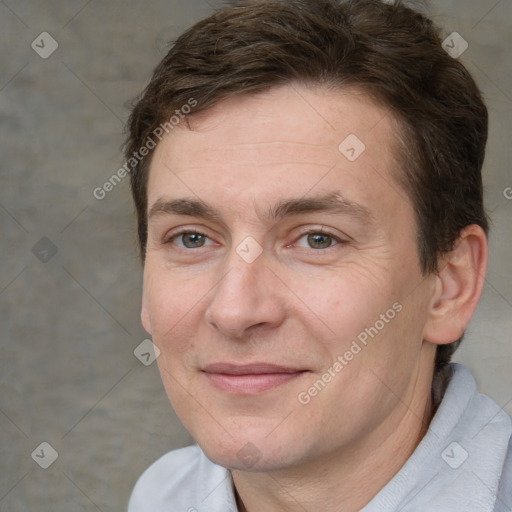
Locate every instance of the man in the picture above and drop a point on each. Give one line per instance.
(307, 178)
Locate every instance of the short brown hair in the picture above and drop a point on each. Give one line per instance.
(391, 52)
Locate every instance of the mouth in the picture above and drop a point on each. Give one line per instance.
(250, 378)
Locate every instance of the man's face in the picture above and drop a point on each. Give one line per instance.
(273, 254)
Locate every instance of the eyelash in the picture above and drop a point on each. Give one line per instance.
(336, 240)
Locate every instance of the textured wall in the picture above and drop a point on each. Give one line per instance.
(70, 280)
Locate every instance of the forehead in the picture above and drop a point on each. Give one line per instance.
(296, 115)
(291, 141)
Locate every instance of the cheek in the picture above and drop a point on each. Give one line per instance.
(345, 304)
(173, 306)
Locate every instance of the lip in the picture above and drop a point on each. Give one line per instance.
(249, 378)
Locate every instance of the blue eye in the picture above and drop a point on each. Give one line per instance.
(317, 241)
(191, 240)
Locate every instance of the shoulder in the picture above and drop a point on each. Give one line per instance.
(504, 499)
(176, 481)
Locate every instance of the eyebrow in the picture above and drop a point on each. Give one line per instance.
(333, 203)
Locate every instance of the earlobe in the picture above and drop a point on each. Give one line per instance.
(459, 285)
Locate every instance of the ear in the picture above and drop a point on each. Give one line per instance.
(459, 284)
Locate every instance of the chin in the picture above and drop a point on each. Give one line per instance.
(251, 451)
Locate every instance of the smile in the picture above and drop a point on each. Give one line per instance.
(249, 379)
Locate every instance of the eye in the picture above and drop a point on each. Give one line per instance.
(190, 240)
(317, 240)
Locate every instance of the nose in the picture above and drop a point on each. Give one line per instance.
(245, 300)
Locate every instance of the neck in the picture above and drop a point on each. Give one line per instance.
(348, 478)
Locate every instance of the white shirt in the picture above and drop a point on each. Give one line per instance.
(463, 464)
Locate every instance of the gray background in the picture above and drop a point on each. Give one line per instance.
(69, 325)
